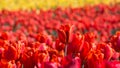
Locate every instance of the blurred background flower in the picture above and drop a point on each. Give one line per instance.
(47, 4)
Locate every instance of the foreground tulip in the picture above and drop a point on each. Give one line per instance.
(64, 33)
(115, 40)
(10, 53)
(49, 65)
(106, 50)
(94, 59)
(76, 44)
(116, 55)
(59, 46)
(41, 38)
(4, 35)
(69, 62)
(85, 50)
(90, 37)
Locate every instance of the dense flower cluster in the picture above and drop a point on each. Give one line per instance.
(89, 37)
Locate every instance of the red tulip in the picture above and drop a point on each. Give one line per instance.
(106, 50)
(41, 38)
(59, 46)
(64, 33)
(94, 59)
(49, 65)
(115, 40)
(4, 35)
(85, 50)
(69, 62)
(10, 53)
(116, 55)
(90, 37)
(113, 64)
(27, 61)
(76, 44)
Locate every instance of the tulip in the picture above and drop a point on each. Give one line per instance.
(64, 33)
(106, 50)
(10, 53)
(115, 40)
(94, 60)
(113, 64)
(49, 65)
(76, 44)
(69, 62)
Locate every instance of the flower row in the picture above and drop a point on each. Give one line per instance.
(47, 4)
(103, 20)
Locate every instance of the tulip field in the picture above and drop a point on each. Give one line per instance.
(60, 34)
